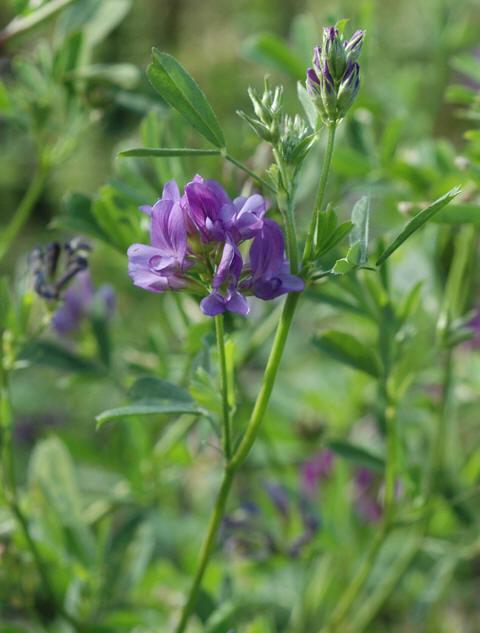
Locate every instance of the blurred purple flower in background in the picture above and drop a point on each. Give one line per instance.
(474, 325)
(316, 469)
(79, 301)
(195, 240)
(250, 531)
(367, 486)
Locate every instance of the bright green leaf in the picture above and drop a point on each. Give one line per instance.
(151, 388)
(182, 93)
(347, 349)
(162, 407)
(357, 455)
(144, 152)
(417, 222)
(359, 233)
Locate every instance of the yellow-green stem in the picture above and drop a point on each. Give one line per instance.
(23, 211)
(222, 361)
(320, 197)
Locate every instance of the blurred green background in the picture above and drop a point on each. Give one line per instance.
(119, 512)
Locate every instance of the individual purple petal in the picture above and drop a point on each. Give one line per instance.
(237, 303)
(230, 266)
(205, 202)
(248, 218)
(213, 304)
(171, 192)
(267, 250)
(270, 272)
(168, 231)
(216, 303)
(151, 270)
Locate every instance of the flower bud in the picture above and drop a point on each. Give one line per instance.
(267, 109)
(334, 53)
(334, 79)
(353, 46)
(348, 89)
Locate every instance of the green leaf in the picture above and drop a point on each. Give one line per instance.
(151, 388)
(310, 110)
(347, 349)
(182, 93)
(348, 263)
(329, 234)
(147, 408)
(126, 76)
(464, 213)
(270, 49)
(357, 455)
(417, 222)
(360, 220)
(21, 25)
(144, 152)
(54, 483)
(54, 355)
(78, 217)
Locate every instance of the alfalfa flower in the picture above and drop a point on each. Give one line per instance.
(195, 240)
(334, 79)
(269, 275)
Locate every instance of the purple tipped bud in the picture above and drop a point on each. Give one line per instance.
(353, 46)
(334, 79)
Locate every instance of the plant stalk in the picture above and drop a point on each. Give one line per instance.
(258, 412)
(227, 442)
(319, 199)
(23, 211)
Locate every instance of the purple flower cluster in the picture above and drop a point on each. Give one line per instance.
(195, 240)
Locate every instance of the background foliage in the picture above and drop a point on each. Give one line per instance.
(118, 513)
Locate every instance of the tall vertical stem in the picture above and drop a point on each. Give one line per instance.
(319, 199)
(23, 211)
(222, 359)
(260, 405)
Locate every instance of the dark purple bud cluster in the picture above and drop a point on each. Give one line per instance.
(195, 240)
(54, 267)
(334, 80)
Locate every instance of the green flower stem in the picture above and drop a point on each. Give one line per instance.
(207, 548)
(286, 207)
(268, 382)
(11, 496)
(222, 361)
(391, 465)
(241, 453)
(21, 215)
(255, 421)
(438, 449)
(248, 171)
(322, 185)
